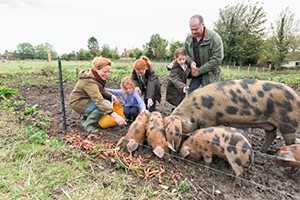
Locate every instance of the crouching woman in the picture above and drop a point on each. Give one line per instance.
(89, 97)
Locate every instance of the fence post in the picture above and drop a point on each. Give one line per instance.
(62, 97)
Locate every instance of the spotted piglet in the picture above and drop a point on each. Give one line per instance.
(156, 136)
(225, 142)
(136, 133)
(289, 156)
(173, 130)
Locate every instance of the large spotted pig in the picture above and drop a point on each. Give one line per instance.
(224, 142)
(173, 130)
(136, 133)
(289, 156)
(156, 136)
(243, 103)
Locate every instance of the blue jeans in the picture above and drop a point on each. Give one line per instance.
(90, 107)
(131, 112)
(195, 84)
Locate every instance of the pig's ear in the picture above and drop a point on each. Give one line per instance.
(132, 145)
(185, 152)
(159, 152)
(120, 141)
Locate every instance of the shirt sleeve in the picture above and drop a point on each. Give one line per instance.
(140, 101)
(116, 92)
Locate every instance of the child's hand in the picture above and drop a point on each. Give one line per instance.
(170, 65)
(150, 103)
(186, 89)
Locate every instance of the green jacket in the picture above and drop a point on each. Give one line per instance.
(211, 55)
(88, 89)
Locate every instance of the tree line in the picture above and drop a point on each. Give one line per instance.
(242, 27)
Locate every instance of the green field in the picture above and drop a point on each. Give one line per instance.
(123, 67)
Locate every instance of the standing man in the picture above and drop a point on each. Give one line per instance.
(205, 48)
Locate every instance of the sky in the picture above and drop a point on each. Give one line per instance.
(67, 24)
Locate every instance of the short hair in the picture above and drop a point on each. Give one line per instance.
(127, 81)
(199, 17)
(180, 51)
(100, 62)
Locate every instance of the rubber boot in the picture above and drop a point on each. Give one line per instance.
(90, 125)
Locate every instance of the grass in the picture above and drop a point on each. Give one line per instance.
(43, 73)
(36, 166)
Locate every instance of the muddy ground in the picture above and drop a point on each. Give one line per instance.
(264, 180)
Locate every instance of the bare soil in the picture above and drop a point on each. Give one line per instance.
(264, 180)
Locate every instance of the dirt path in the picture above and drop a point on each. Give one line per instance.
(206, 183)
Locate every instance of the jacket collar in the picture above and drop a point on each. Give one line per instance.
(205, 41)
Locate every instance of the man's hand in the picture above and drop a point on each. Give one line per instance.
(120, 120)
(195, 69)
(149, 103)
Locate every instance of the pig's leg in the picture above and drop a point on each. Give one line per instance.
(207, 156)
(269, 138)
(235, 163)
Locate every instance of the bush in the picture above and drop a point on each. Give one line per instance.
(36, 135)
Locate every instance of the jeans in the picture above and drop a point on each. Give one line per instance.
(195, 84)
(131, 112)
(91, 106)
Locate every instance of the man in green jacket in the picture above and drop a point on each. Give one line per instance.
(205, 48)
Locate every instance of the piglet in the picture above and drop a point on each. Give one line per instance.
(225, 142)
(136, 133)
(289, 156)
(155, 135)
(173, 130)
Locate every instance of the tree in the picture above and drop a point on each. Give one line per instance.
(25, 51)
(242, 28)
(69, 56)
(173, 46)
(284, 31)
(42, 50)
(135, 53)
(93, 46)
(156, 48)
(84, 55)
(107, 52)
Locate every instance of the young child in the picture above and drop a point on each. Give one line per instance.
(148, 83)
(177, 81)
(130, 98)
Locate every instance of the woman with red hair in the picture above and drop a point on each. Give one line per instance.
(148, 83)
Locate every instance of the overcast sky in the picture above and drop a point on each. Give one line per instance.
(67, 24)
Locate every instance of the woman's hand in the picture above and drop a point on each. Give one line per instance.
(120, 120)
(115, 99)
(149, 103)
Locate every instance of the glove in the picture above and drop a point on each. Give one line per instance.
(150, 103)
(185, 89)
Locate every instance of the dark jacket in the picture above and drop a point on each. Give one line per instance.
(176, 82)
(88, 89)
(211, 55)
(149, 86)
